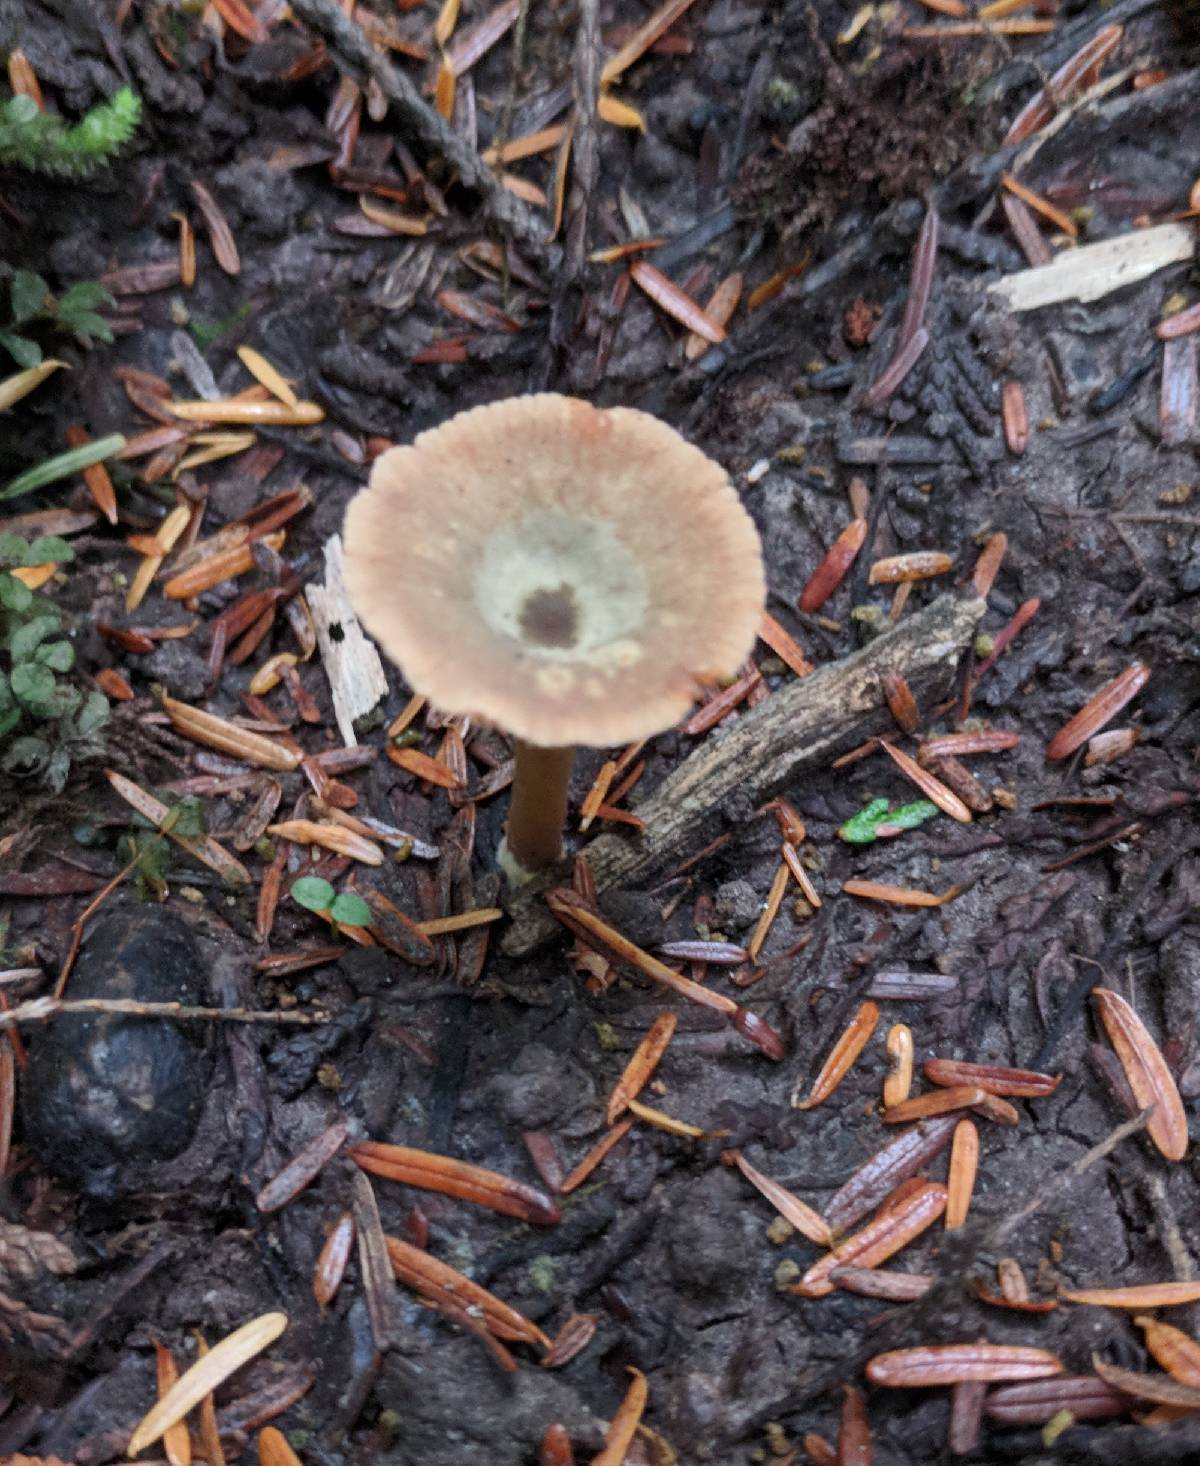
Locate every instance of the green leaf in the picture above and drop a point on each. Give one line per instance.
(28, 295)
(21, 109)
(24, 352)
(54, 776)
(88, 325)
(189, 817)
(876, 819)
(349, 909)
(48, 547)
(9, 720)
(85, 296)
(93, 714)
(15, 595)
(26, 639)
(33, 684)
(313, 893)
(25, 755)
(59, 656)
(12, 549)
(63, 465)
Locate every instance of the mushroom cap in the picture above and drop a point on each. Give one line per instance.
(565, 572)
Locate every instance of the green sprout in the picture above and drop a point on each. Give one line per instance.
(877, 822)
(340, 909)
(51, 720)
(43, 143)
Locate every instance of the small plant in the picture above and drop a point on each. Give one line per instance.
(45, 721)
(44, 143)
(74, 313)
(344, 909)
(877, 822)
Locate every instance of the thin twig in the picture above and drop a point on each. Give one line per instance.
(995, 1237)
(40, 1010)
(348, 41)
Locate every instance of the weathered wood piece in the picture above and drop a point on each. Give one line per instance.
(356, 676)
(800, 727)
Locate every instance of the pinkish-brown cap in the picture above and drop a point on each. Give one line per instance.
(565, 572)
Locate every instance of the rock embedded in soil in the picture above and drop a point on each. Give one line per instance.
(106, 1089)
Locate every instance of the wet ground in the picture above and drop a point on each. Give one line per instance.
(777, 147)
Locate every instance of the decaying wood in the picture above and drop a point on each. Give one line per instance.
(800, 727)
(1094, 270)
(356, 676)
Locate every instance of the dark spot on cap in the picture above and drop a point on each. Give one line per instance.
(551, 618)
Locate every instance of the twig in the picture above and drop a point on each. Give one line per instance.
(40, 1010)
(995, 1237)
(348, 41)
(797, 728)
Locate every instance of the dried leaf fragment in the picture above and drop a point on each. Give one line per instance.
(1138, 1295)
(642, 1064)
(425, 1273)
(624, 1424)
(916, 565)
(227, 737)
(932, 1365)
(898, 895)
(897, 1083)
(676, 302)
(209, 1371)
(805, 1220)
(1098, 710)
(960, 1185)
(1164, 1389)
(452, 1177)
(878, 1240)
(842, 1056)
(1146, 1070)
(834, 567)
(1178, 1353)
(933, 789)
(994, 1078)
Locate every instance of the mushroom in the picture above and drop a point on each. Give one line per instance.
(566, 573)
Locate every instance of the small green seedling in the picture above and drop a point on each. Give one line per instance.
(343, 908)
(43, 143)
(877, 822)
(34, 658)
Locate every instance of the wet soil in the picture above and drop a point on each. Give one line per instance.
(768, 142)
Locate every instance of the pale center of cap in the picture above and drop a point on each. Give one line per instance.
(565, 587)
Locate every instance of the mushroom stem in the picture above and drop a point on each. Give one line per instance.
(533, 837)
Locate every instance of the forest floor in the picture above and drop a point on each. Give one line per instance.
(846, 165)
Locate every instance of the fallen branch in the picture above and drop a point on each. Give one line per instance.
(350, 44)
(41, 1010)
(796, 729)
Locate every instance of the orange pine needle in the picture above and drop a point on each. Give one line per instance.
(842, 1056)
(964, 1162)
(588, 1164)
(1146, 1070)
(897, 895)
(784, 645)
(878, 1240)
(1042, 206)
(806, 1221)
(677, 304)
(897, 1084)
(642, 1064)
(933, 789)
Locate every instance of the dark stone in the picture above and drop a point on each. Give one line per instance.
(103, 1089)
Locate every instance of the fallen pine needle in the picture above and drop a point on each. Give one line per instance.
(898, 895)
(203, 1377)
(642, 1064)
